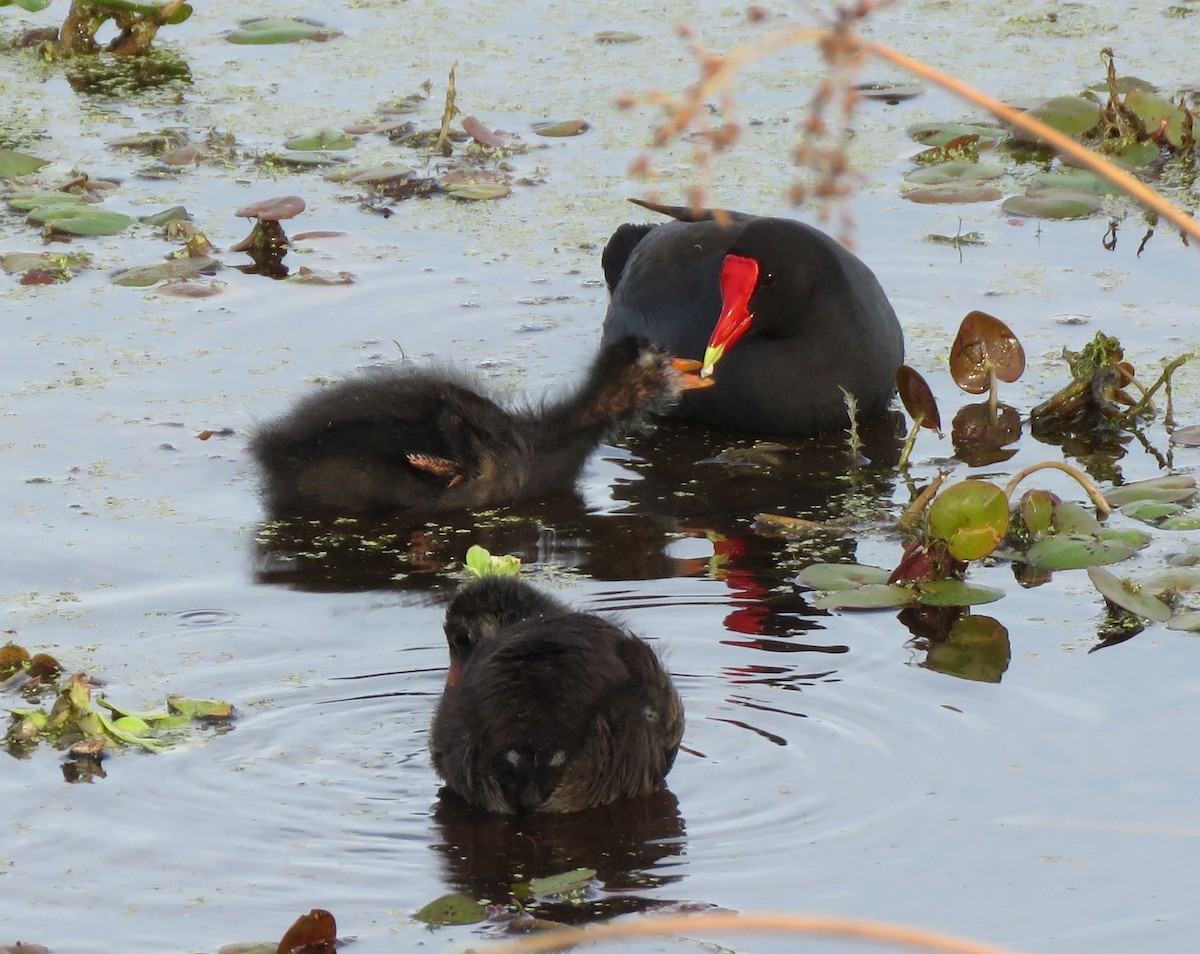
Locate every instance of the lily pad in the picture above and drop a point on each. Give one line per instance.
(976, 648)
(971, 517)
(13, 163)
(958, 170)
(1187, 621)
(477, 191)
(1072, 518)
(918, 398)
(984, 346)
(1176, 579)
(890, 92)
(612, 36)
(561, 128)
(1157, 112)
(841, 576)
(1073, 552)
(267, 30)
(452, 909)
(28, 201)
(1052, 204)
(1189, 521)
(568, 882)
(1070, 115)
(1075, 180)
(30, 6)
(956, 593)
(1119, 592)
(481, 563)
(1151, 511)
(323, 138)
(950, 193)
(1172, 488)
(939, 134)
(870, 596)
(81, 220)
(144, 276)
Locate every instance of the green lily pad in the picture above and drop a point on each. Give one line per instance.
(181, 13)
(841, 576)
(81, 220)
(971, 517)
(30, 6)
(1190, 521)
(1070, 115)
(568, 882)
(481, 563)
(200, 708)
(1072, 518)
(28, 201)
(1154, 110)
(1117, 591)
(956, 593)
(1130, 536)
(1037, 511)
(1171, 488)
(950, 193)
(144, 276)
(323, 138)
(477, 191)
(1073, 552)
(1052, 204)
(1151, 511)
(13, 164)
(299, 159)
(1176, 579)
(958, 170)
(869, 596)
(177, 213)
(938, 134)
(267, 30)
(452, 909)
(1186, 622)
(1075, 180)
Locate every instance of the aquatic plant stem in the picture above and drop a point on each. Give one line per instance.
(909, 517)
(1052, 137)
(897, 935)
(1084, 481)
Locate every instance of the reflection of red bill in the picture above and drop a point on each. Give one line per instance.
(739, 278)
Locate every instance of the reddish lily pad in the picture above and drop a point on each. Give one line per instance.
(312, 933)
(1186, 436)
(1052, 204)
(273, 210)
(1118, 592)
(951, 193)
(917, 398)
(984, 346)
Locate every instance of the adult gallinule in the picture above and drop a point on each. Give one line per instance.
(790, 314)
(548, 709)
(424, 441)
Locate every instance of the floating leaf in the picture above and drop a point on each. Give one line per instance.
(1171, 488)
(1150, 511)
(939, 134)
(1118, 592)
(30, 6)
(953, 192)
(1075, 180)
(481, 563)
(28, 201)
(1073, 552)
(13, 659)
(81, 220)
(477, 191)
(13, 164)
(1181, 522)
(561, 128)
(869, 596)
(273, 210)
(971, 517)
(1072, 518)
(955, 593)
(1037, 511)
(266, 30)
(1187, 621)
(1187, 436)
(1157, 112)
(1052, 204)
(452, 909)
(890, 92)
(144, 276)
(1177, 579)
(1070, 115)
(606, 36)
(841, 576)
(569, 882)
(177, 213)
(984, 346)
(955, 171)
(481, 134)
(200, 708)
(323, 138)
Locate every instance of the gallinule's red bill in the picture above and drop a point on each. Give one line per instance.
(424, 441)
(547, 709)
(780, 313)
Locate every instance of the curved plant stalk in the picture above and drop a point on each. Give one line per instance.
(1163, 379)
(1081, 478)
(909, 517)
(897, 935)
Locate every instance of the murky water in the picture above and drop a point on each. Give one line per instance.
(825, 768)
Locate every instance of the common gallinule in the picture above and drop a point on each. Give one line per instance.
(548, 709)
(423, 441)
(790, 314)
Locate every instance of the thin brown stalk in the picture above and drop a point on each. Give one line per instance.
(1084, 481)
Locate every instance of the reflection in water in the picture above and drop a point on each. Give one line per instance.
(635, 846)
(958, 643)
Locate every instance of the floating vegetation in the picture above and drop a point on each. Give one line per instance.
(262, 31)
